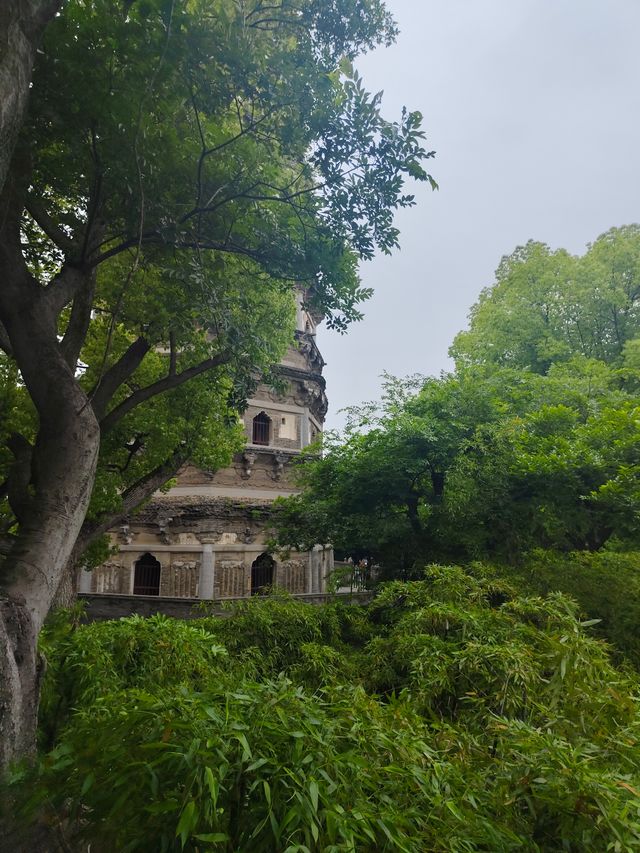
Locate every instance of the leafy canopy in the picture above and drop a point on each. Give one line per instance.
(183, 166)
(532, 442)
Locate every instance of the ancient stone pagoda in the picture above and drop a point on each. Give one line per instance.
(206, 537)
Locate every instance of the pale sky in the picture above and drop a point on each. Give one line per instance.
(533, 108)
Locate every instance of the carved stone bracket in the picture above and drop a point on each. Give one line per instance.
(248, 461)
(279, 461)
(312, 395)
(163, 529)
(126, 534)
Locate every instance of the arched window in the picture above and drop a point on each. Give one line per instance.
(262, 574)
(261, 429)
(146, 578)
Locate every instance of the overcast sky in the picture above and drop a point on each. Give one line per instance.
(533, 109)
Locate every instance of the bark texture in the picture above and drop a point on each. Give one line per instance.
(51, 481)
(20, 671)
(21, 25)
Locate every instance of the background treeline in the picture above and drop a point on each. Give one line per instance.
(526, 455)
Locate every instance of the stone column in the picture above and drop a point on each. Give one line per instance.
(304, 429)
(207, 572)
(84, 581)
(316, 569)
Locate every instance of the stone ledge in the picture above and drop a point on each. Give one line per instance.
(102, 606)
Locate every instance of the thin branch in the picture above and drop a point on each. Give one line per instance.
(211, 208)
(159, 387)
(94, 199)
(132, 448)
(5, 343)
(244, 131)
(203, 148)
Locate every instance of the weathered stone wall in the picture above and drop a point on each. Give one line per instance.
(267, 469)
(292, 575)
(179, 579)
(110, 578)
(232, 577)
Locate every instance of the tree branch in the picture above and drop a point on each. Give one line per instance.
(173, 354)
(50, 227)
(162, 385)
(118, 373)
(19, 475)
(76, 331)
(154, 238)
(65, 286)
(132, 497)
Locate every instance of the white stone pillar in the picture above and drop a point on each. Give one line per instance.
(316, 569)
(207, 572)
(304, 432)
(84, 581)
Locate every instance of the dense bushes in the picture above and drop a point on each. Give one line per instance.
(606, 585)
(454, 715)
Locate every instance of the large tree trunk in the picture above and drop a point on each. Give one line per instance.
(31, 574)
(19, 680)
(54, 480)
(21, 25)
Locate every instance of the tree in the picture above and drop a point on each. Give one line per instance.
(380, 491)
(547, 306)
(485, 464)
(183, 164)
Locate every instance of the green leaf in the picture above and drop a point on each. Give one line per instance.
(313, 793)
(212, 837)
(187, 822)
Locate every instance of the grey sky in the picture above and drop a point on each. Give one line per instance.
(533, 109)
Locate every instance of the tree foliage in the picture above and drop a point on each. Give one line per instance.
(548, 306)
(531, 443)
(192, 160)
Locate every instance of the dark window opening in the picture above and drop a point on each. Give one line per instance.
(262, 571)
(261, 426)
(146, 578)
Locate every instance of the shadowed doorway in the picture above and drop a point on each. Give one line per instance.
(262, 574)
(146, 579)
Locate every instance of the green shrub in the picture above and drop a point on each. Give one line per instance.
(463, 717)
(606, 585)
(85, 662)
